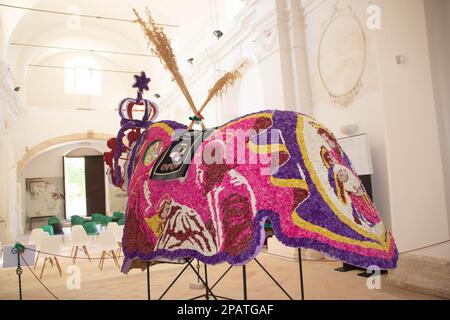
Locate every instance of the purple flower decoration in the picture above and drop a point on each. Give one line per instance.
(141, 82)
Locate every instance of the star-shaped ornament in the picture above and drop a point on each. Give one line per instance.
(141, 82)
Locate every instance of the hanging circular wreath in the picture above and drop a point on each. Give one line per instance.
(342, 57)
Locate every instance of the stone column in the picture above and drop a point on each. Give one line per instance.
(10, 108)
(8, 229)
(299, 56)
(281, 54)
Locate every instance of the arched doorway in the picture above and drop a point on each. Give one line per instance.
(45, 163)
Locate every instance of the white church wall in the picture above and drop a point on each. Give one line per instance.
(46, 87)
(438, 22)
(10, 109)
(264, 35)
(395, 106)
(366, 110)
(416, 184)
(38, 125)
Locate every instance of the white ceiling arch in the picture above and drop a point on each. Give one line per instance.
(100, 39)
(46, 29)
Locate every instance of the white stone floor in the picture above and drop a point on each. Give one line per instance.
(320, 279)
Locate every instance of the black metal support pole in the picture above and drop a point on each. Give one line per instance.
(273, 279)
(221, 277)
(301, 273)
(244, 280)
(19, 249)
(19, 274)
(148, 280)
(198, 269)
(176, 278)
(201, 279)
(206, 281)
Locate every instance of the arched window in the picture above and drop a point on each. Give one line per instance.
(82, 77)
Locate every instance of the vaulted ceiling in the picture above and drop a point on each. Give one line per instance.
(185, 20)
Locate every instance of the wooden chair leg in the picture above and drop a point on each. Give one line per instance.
(87, 253)
(75, 255)
(51, 262)
(58, 266)
(115, 258)
(43, 267)
(105, 255)
(101, 259)
(37, 260)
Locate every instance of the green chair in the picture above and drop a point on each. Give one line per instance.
(97, 218)
(79, 221)
(105, 220)
(121, 222)
(101, 219)
(53, 220)
(90, 228)
(49, 229)
(118, 215)
(73, 219)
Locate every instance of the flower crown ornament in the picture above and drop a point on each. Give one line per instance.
(131, 129)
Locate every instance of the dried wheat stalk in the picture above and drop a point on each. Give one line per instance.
(221, 85)
(161, 47)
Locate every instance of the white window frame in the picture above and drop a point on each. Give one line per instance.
(82, 77)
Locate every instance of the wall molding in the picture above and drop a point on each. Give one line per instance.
(58, 141)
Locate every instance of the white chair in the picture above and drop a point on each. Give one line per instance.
(80, 239)
(50, 248)
(118, 232)
(35, 236)
(119, 236)
(35, 239)
(107, 243)
(113, 226)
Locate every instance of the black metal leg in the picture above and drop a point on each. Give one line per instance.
(176, 278)
(198, 269)
(215, 284)
(18, 249)
(301, 273)
(19, 274)
(273, 279)
(206, 281)
(347, 267)
(244, 280)
(148, 280)
(221, 277)
(201, 279)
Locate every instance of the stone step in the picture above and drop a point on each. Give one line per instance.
(424, 274)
